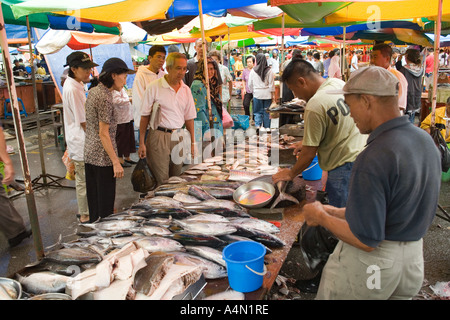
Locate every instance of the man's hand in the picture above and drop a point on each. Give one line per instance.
(142, 151)
(297, 147)
(9, 174)
(282, 175)
(313, 213)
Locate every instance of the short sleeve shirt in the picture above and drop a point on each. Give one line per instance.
(329, 127)
(99, 107)
(394, 185)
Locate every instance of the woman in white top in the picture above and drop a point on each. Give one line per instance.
(261, 83)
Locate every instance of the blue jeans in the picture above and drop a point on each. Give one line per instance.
(337, 185)
(259, 110)
(411, 116)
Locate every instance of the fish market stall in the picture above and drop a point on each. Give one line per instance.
(170, 244)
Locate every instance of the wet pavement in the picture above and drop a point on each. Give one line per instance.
(57, 209)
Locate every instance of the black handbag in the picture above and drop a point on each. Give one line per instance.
(439, 140)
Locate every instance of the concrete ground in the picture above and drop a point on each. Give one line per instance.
(57, 208)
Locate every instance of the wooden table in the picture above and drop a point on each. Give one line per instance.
(290, 226)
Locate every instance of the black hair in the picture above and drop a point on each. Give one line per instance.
(331, 54)
(297, 53)
(316, 55)
(384, 48)
(250, 57)
(156, 48)
(299, 68)
(107, 79)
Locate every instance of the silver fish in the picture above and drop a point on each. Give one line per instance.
(112, 225)
(254, 223)
(161, 202)
(283, 195)
(105, 233)
(73, 256)
(199, 193)
(207, 217)
(264, 238)
(206, 228)
(153, 244)
(43, 282)
(211, 270)
(148, 278)
(151, 231)
(208, 253)
(7, 291)
(185, 198)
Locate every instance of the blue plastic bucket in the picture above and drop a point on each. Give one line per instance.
(245, 265)
(313, 172)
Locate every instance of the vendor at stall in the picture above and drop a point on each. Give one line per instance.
(442, 117)
(380, 255)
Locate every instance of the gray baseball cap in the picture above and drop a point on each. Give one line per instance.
(372, 80)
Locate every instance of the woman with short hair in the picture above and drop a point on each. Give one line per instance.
(100, 153)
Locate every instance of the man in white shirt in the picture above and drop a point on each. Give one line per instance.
(171, 99)
(144, 76)
(355, 59)
(74, 99)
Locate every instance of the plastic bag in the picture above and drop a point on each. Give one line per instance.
(442, 146)
(227, 121)
(70, 166)
(142, 178)
(240, 121)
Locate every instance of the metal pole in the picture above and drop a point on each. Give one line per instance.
(29, 194)
(437, 41)
(205, 65)
(344, 70)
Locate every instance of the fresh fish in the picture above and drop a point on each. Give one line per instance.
(220, 192)
(220, 211)
(105, 233)
(175, 179)
(43, 282)
(177, 279)
(160, 202)
(199, 193)
(265, 238)
(126, 215)
(244, 176)
(217, 203)
(230, 238)
(158, 221)
(185, 198)
(226, 295)
(8, 291)
(207, 217)
(191, 239)
(148, 278)
(194, 172)
(211, 270)
(216, 159)
(201, 166)
(176, 213)
(155, 243)
(73, 256)
(254, 223)
(112, 225)
(206, 228)
(119, 242)
(208, 253)
(283, 196)
(151, 231)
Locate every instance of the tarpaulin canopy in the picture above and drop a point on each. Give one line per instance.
(44, 21)
(256, 11)
(190, 7)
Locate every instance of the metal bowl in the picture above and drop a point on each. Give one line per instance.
(254, 185)
(15, 284)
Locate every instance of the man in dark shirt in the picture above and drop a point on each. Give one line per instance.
(18, 67)
(393, 195)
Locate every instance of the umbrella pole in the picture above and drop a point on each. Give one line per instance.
(344, 73)
(282, 52)
(29, 193)
(205, 65)
(437, 40)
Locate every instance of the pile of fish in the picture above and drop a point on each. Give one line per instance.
(153, 250)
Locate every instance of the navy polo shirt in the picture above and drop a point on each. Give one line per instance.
(394, 184)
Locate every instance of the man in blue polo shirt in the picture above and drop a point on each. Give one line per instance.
(393, 195)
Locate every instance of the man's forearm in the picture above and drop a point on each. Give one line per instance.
(143, 129)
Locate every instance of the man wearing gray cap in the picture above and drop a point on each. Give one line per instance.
(392, 199)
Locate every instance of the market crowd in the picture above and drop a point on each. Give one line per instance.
(357, 128)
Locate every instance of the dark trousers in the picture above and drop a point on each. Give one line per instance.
(100, 190)
(246, 103)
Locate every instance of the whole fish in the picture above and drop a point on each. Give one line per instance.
(125, 215)
(220, 192)
(206, 228)
(283, 196)
(217, 203)
(43, 282)
(230, 238)
(188, 238)
(151, 231)
(176, 213)
(112, 225)
(158, 221)
(254, 223)
(73, 256)
(211, 270)
(264, 238)
(8, 291)
(207, 217)
(148, 278)
(208, 253)
(156, 243)
(159, 202)
(220, 211)
(199, 193)
(105, 233)
(185, 198)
